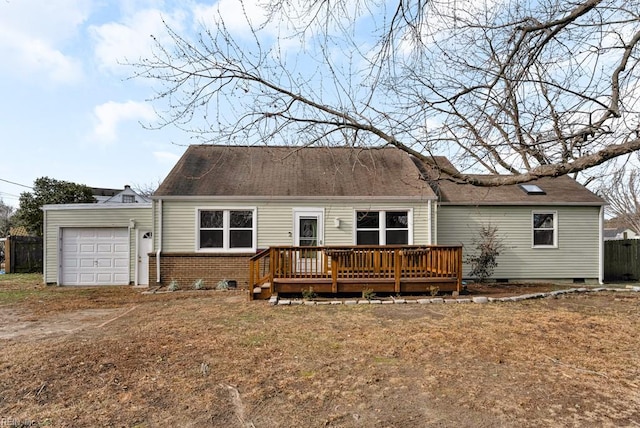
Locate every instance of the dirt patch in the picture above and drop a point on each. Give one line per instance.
(497, 289)
(215, 359)
(16, 323)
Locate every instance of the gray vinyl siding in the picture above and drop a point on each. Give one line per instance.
(55, 219)
(275, 221)
(576, 256)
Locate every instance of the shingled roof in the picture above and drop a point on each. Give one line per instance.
(270, 171)
(555, 191)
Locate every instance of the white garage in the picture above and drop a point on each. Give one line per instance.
(95, 256)
(97, 244)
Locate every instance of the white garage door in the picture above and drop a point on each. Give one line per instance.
(95, 256)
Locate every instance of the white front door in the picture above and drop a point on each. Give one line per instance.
(308, 232)
(145, 246)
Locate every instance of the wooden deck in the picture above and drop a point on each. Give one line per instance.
(335, 270)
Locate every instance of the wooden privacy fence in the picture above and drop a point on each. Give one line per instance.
(23, 254)
(622, 260)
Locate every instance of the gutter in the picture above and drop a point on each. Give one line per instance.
(159, 251)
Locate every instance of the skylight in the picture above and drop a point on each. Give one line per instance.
(532, 189)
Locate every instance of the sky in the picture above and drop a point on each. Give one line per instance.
(69, 109)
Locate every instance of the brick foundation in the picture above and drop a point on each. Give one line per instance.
(186, 268)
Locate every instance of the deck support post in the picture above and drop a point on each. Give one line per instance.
(459, 252)
(252, 281)
(334, 275)
(272, 268)
(398, 269)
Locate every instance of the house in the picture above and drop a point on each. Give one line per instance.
(102, 243)
(101, 194)
(125, 196)
(617, 233)
(220, 205)
(339, 218)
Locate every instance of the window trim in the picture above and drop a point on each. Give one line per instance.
(226, 228)
(382, 229)
(555, 229)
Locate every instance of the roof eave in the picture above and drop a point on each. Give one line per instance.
(293, 198)
(527, 204)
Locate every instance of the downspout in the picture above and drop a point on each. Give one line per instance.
(435, 223)
(159, 251)
(601, 247)
(44, 246)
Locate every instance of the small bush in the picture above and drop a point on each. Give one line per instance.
(223, 285)
(309, 294)
(368, 294)
(173, 286)
(198, 284)
(488, 246)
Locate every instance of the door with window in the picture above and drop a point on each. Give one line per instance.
(145, 246)
(308, 232)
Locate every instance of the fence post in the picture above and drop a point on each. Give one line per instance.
(7, 255)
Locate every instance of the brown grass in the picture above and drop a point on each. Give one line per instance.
(114, 357)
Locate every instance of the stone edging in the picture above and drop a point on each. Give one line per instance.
(274, 300)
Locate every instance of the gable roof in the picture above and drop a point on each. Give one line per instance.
(128, 191)
(562, 190)
(277, 171)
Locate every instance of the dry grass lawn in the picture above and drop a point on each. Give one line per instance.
(112, 357)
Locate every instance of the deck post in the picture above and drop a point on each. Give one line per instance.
(334, 275)
(272, 268)
(251, 279)
(459, 251)
(397, 262)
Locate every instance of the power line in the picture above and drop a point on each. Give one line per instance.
(17, 184)
(11, 195)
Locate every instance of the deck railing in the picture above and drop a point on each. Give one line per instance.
(352, 263)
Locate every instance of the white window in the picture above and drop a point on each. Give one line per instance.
(128, 199)
(545, 229)
(226, 230)
(383, 227)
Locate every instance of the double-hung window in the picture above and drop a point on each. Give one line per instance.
(226, 230)
(383, 227)
(545, 229)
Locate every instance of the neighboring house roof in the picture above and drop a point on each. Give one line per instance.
(554, 191)
(268, 171)
(618, 233)
(102, 194)
(128, 195)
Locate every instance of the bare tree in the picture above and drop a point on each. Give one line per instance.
(6, 211)
(623, 196)
(146, 189)
(523, 88)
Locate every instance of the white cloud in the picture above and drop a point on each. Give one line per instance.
(236, 19)
(32, 37)
(111, 114)
(166, 157)
(129, 40)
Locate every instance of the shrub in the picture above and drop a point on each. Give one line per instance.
(173, 286)
(488, 246)
(223, 285)
(198, 284)
(308, 294)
